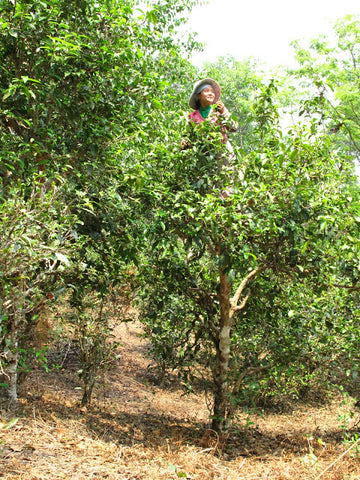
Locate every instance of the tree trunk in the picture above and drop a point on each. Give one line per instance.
(221, 366)
(228, 307)
(87, 392)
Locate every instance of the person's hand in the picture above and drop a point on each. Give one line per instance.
(220, 107)
(184, 144)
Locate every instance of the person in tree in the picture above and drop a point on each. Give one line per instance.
(209, 123)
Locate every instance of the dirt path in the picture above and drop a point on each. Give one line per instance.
(136, 429)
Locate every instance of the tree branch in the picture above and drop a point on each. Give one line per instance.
(234, 307)
(242, 304)
(247, 372)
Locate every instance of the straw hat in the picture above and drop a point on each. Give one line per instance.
(197, 89)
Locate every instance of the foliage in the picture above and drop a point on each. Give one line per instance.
(330, 70)
(80, 84)
(73, 77)
(35, 240)
(93, 333)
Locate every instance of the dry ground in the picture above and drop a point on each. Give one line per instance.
(136, 429)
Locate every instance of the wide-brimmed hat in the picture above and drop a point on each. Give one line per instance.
(197, 88)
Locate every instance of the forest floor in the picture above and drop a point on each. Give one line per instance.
(137, 429)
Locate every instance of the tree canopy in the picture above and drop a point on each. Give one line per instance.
(245, 266)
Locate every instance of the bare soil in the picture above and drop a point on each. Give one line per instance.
(138, 429)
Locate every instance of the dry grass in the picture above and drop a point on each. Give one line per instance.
(136, 429)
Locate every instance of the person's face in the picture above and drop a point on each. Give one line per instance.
(206, 96)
